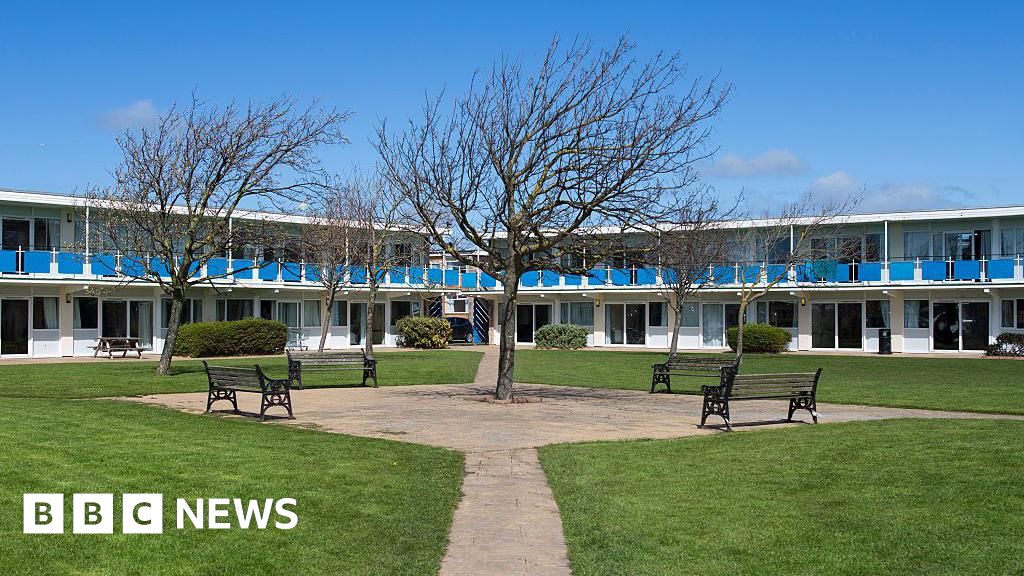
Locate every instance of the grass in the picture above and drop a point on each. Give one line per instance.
(365, 506)
(133, 378)
(968, 384)
(894, 497)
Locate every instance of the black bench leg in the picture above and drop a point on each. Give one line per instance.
(659, 378)
(229, 395)
(371, 374)
(803, 404)
(716, 407)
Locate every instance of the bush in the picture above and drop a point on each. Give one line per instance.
(760, 338)
(424, 332)
(561, 336)
(1007, 344)
(249, 337)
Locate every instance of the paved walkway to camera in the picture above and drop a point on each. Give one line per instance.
(507, 522)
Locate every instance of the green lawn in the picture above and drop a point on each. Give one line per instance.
(365, 506)
(893, 497)
(971, 384)
(133, 378)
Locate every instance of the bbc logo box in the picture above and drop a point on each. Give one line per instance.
(92, 513)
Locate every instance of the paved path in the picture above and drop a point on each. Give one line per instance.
(507, 522)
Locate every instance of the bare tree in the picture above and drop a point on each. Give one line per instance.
(325, 242)
(780, 246)
(179, 185)
(382, 238)
(530, 169)
(687, 247)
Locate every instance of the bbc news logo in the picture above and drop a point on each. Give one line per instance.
(144, 514)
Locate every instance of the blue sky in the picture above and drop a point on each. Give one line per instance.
(918, 105)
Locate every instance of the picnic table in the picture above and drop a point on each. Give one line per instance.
(110, 344)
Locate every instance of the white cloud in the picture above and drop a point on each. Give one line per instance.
(890, 196)
(134, 115)
(776, 162)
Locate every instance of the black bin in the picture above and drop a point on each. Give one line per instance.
(885, 341)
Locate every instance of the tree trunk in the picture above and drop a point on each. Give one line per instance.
(173, 323)
(676, 325)
(507, 341)
(325, 322)
(739, 331)
(371, 301)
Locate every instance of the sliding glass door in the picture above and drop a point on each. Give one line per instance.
(625, 324)
(960, 326)
(127, 318)
(974, 317)
(946, 326)
(529, 319)
(713, 323)
(13, 326)
(823, 325)
(850, 325)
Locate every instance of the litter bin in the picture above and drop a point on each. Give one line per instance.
(884, 341)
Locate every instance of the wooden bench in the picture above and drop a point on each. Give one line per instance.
(109, 345)
(800, 389)
(227, 381)
(691, 366)
(329, 361)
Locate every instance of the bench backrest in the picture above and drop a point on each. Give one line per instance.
(699, 363)
(235, 376)
(328, 358)
(770, 385)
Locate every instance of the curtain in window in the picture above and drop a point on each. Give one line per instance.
(311, 312)
(44, 314)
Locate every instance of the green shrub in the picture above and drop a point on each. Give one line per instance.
(1007, 344)
(760, 338)
(249, 337)
(561, 336)
(423, 332)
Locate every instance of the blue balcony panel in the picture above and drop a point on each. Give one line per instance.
(805, 272)
(157, 265)
(291, 271)
(395, 276)
(357, 275)
(487, 281)
(842, 273)
(826, 270)
(752, 274)
(415, 275)
(573, 280)
(931, 270)
(1000, 269)
(8, 261)
(549, 278)
(468, 280)
(725, 275)
(435, 275)
(37, 262)
(870, 272)
(669, 276)
(217, 267)
(268, 271)
(530, 279)
(133, 267)
(646, 276)
(312, 273)
(596, 277)
(451, 278)
(104, 264)
(620, 277)
(776, 273)
(901, 271)
(242, 269)
(967, 270)
(193, 270)
(70, 263)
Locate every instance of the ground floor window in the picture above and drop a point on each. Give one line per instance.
(578, 313)
(86, 313)
(876, 313)
(233, 309)
(690, 315)
(915, 314)
(1012, 313)
(339, 313)
(402, 308)
(311, 313)
(191, 311)
(44, 313)
(657, 314)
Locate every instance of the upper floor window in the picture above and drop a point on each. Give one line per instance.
(47, 234)
(1012, 241)
(915, 245)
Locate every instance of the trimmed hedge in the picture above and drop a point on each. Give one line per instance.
(423, 332)
(760, 338)
(249, 337)
(561, 336)
(1007, 344)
